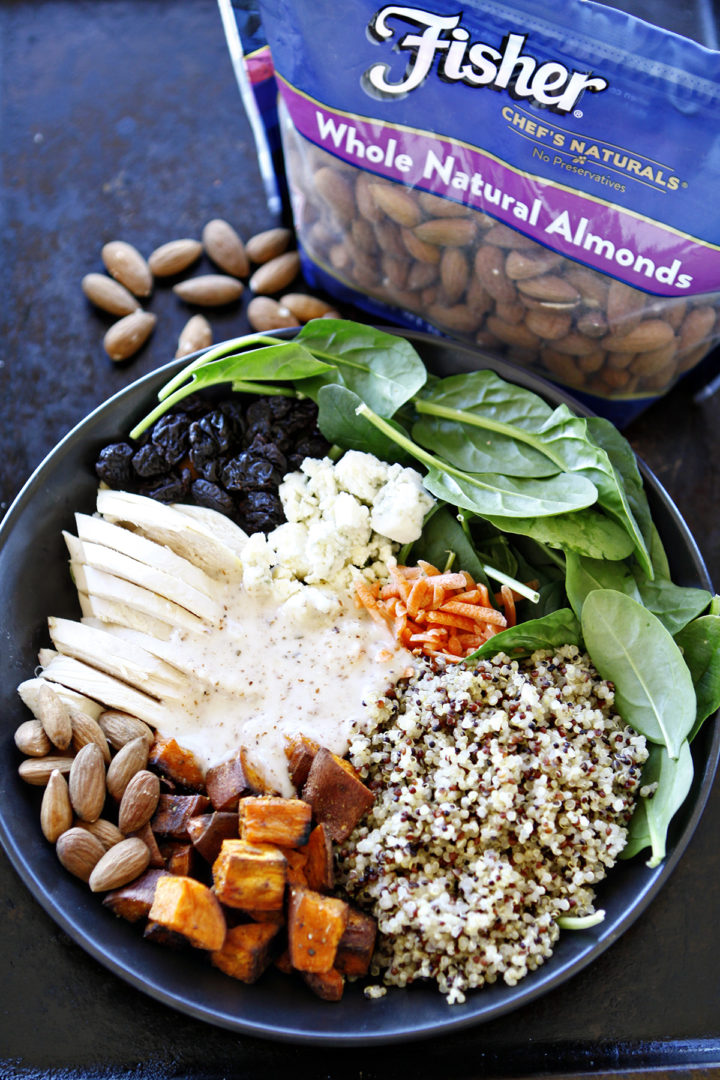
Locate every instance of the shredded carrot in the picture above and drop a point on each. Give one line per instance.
(435, 613)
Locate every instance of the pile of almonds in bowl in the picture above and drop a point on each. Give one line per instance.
(268, 262)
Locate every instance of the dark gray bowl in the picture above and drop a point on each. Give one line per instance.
(35, 583)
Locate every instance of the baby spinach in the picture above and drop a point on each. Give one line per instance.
(674, 605)
(382, 369)
(630, 647)
(623, 460)
(550, 632)
(585, 531)
(653, 813)
(700, 644)
(583, 575)
(337, 419)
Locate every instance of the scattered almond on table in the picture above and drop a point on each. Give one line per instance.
(265, 265)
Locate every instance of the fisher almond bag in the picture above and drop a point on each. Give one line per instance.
(542, 181)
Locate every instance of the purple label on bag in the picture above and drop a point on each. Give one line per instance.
(640, 251)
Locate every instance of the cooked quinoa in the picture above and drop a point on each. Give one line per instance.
(503, 793)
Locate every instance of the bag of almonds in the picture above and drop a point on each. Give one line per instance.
(539, 180)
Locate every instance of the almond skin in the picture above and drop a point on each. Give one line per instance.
(121, 728)
(37, 771)
(174, 257)
(126, 265)
(305, 307)
(86, 730)
(139, 801)
(103, 830)
(196, 334)
(31, 739)
(268, 244)
(264, 313)
(209, 290)
(223, 245)
(109, 295)
(54, 716)
(276, 274)
(87, 783)
(56, 815)
(119, 865)
(79, 852)
(130, 759)
(125, 337)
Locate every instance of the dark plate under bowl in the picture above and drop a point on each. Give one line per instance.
(35, 583)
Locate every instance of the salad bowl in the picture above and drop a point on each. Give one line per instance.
(34, 582)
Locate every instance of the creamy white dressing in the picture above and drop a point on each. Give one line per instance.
(261, 676)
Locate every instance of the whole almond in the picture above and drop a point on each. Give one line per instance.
(696, 327)
(305, 307)
(420, 249)
(196, 334)
(209, 290)
(268, 244)
(54, 716)
(79, 852)
(130, 759)
(119, 865)
(624, 307)
(648, 335)
(56, 815)
(121, 728)
(127, 266)
(334, 189)
(86, 730)
(527, 264)
(454, 273)
(31, 739)
(367, 207)
(549, 288)
(460, 317)
(549, 325)
(109, 295)
(125, 337)
(516, 334)
(139, 801)
(223, 245)
(435, 206)
(397, 203)
(37, 771)
(87, 782)
(490, 271)
(276, 274)
(103, 830)
(447, 232)
(264, 313)
(174, 257)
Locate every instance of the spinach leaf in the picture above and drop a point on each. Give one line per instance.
(567, 436)
(585, 531)
(658, 557)
(550, 632)
(674, 605)
(623, 460)
(340, 425)
(443, 534)
(503, 413)
(582, 575)
(382, 369)
(223, 349)
(629, 646)
(284, 361)
(651, 819)
(700, 644)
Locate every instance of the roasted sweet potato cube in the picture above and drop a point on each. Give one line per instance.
(276, 916)
(296, 861)
(189, 908)
(300, 752)
(246, 952)
(337, 797)
(319, 866)
(328, 985)
(250, 875)
(173, 813)
(256, 779)
(133, 901)
(355, 950)
(160, 935)
(179, 857)
(207, 832)
(270, 819)
(226, 783)
(316, 924)
(173, 760)
(282, 962)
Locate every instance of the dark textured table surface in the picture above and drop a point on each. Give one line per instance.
(123, 120)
